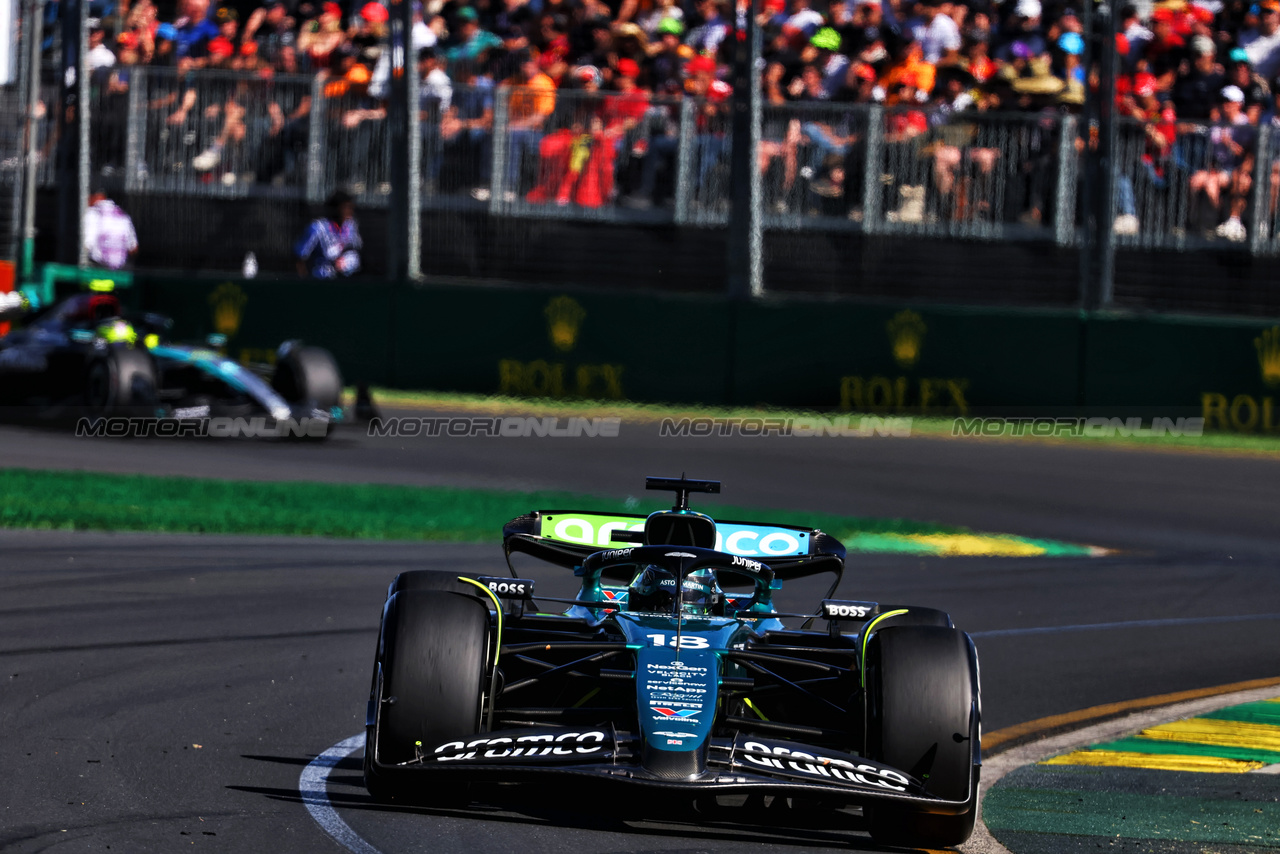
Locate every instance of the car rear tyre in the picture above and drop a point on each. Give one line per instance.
(429, 681)
(121, 382)
(309, 375)
(922, 697)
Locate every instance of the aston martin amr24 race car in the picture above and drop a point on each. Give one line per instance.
(672, 671)
(84, 356)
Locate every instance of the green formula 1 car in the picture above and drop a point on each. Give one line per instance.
(673, 671)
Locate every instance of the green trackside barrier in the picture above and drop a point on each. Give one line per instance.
(352, 321)
(1227, 370)
(545, 344)
(894, 359)
(830, 355)
(43, 287)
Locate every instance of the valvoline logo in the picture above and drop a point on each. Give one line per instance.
(672, 713)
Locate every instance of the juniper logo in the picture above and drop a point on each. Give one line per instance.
(564, 319)
(1268, 346)
(906, 334)
(228, 306)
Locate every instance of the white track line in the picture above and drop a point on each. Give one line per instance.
(313, 784)
(314, 788)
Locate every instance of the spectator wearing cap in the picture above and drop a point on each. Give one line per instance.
(369, 32)
(1257, 94)
(99, 56)
(1070, 47)
(936, 33)
(1228, 171)
(227, 20)
(472, 42)
(321, 38)
(711, 118)
(1262, 42)
(663, 10)
(1196, 90)
(823, 52)
(1164, 51)
(667, 61)
(624, 109)
(1022, 37)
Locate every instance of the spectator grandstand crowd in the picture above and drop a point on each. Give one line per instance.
(594, 91)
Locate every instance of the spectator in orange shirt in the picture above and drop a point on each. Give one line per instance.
(909, 72)
(533, 99)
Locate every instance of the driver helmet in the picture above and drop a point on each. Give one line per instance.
(118, 331)
(653, 589)
(700, 594)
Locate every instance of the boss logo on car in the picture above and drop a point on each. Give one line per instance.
(836, 609)
(559, 745)
(783, 758)
(509, 588)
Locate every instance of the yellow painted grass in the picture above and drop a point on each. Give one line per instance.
(1217, 733)
(1157, 761)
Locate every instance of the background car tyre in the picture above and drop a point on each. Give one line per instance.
(922, 697)
(433, 654)
(121, 382)
(308, 375)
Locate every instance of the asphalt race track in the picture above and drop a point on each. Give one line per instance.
(167, 692)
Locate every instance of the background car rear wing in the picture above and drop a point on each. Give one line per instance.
(567, 537)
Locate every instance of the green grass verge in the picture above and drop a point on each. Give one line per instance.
(1211, 441)
(83, 500)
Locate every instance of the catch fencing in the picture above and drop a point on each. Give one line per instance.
(633, 160)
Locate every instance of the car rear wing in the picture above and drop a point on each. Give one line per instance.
(567, 537)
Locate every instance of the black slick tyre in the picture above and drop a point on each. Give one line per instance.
(922, 698)
(308, 375)
(121, 382)
(428, 685)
